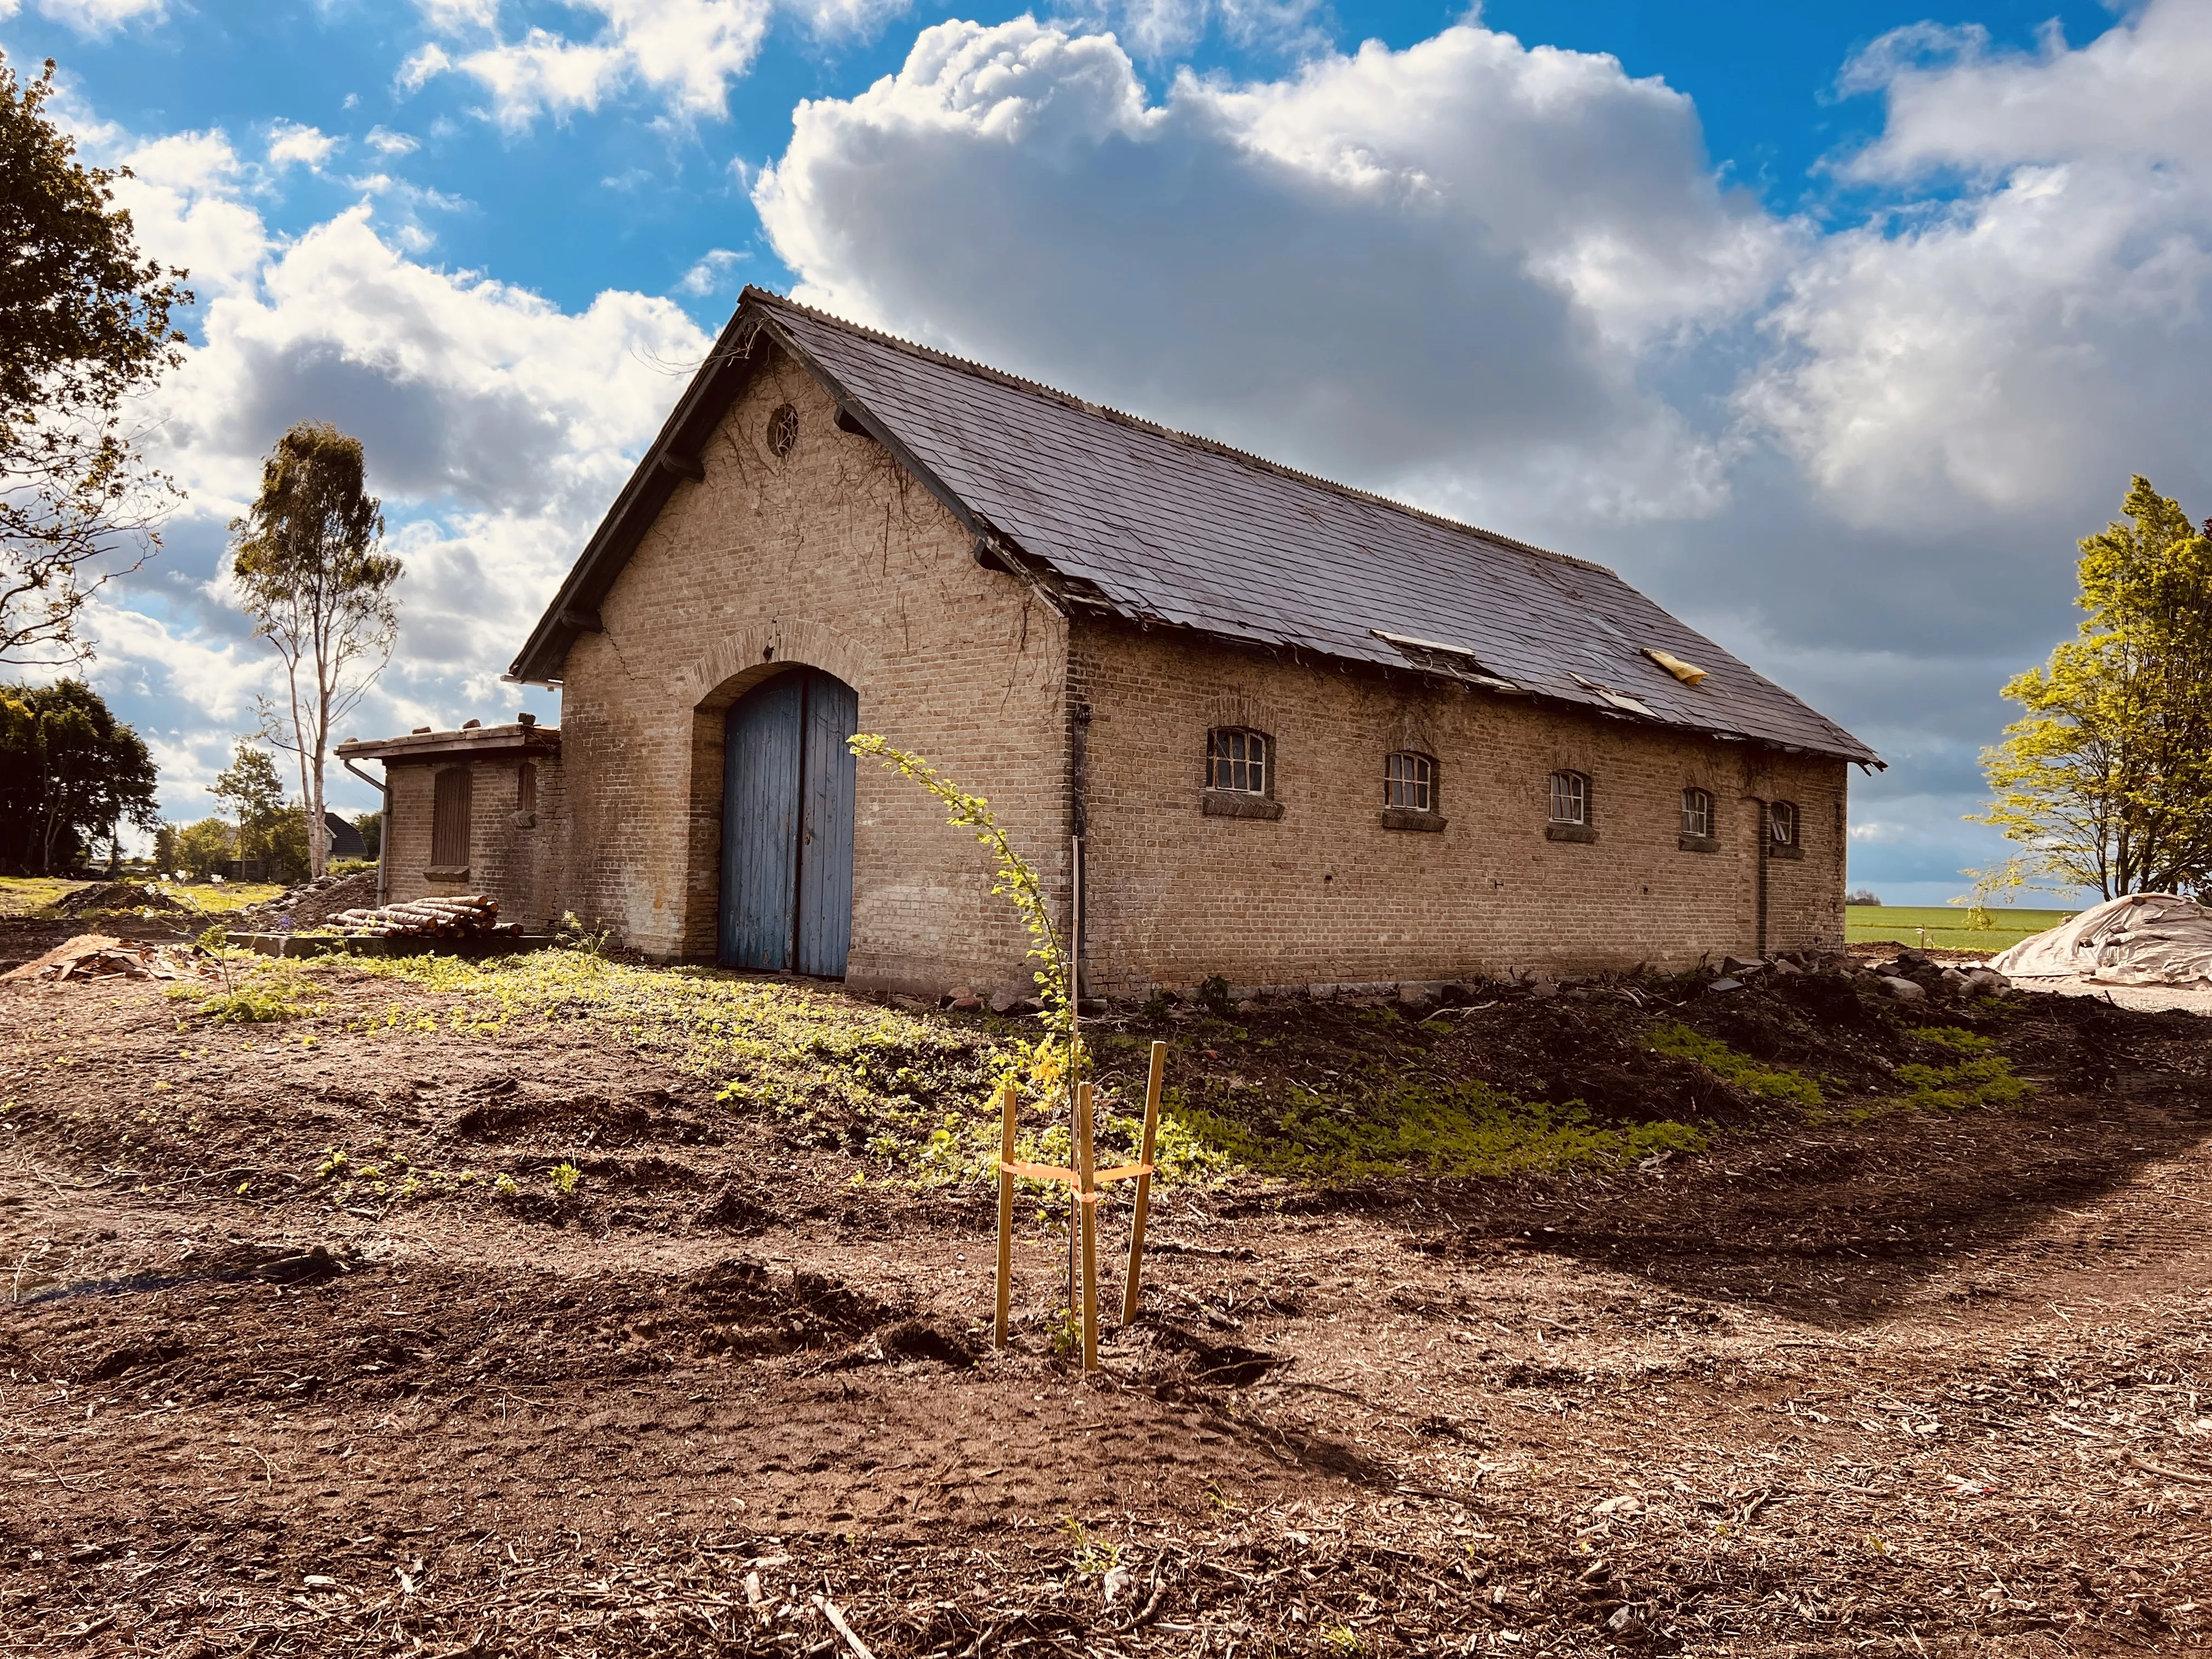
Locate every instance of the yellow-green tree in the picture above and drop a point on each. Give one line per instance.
(204, 847)
(2105, 780)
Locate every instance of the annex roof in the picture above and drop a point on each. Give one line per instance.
(469, 743)
(1117, 515)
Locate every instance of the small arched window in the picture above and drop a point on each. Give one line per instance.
(1409, 782)
(1237, 759)
(1571, 799)
(1697, 814)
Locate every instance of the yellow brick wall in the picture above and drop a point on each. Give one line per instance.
(523, 865)
(833, 557)
(1327, 894)
(830, 556)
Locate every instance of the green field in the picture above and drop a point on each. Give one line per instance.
(22, 895)
(1946, 925)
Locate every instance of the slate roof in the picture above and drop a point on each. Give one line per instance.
(1117, 514)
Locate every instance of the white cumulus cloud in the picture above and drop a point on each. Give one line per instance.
(711, 273)
(2030, 326)
(291, 144)
(1440, 270)
(95, 18)
(685, 52)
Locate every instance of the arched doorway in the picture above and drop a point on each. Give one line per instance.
(787, 825)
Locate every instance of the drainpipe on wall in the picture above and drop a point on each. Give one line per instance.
(1079, 816)
(1765, 835)
(384, 832)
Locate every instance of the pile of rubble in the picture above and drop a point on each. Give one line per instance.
(312, 904)
(470, 915)
(97, 955)
(1915, 975)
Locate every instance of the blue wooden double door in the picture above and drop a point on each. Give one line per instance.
(787, 825)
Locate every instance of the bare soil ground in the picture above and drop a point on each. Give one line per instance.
(1935, 1381)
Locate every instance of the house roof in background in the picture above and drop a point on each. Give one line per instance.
(1117, 515)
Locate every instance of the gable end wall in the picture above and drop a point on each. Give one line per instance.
(832, 557)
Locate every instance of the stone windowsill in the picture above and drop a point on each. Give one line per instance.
(1406, 818)
(448, 872)
(1780, 850)
(1236, 803)
(1698, 843)
(1568, 832)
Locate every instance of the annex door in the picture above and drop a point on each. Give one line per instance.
(787, 825)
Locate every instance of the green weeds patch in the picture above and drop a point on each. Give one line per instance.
(272, 990)
(1773, 1084)
(1950, 1036)
(1460, 1129)
(834, 1070)
(1987, 1081)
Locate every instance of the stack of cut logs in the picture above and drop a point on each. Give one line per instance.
(470, 916)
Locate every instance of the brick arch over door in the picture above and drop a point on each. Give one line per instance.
(712, 682)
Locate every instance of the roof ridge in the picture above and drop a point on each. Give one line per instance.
(985, 371)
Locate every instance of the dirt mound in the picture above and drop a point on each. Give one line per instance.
(108, 897)
(751, 1308)
(313, 903)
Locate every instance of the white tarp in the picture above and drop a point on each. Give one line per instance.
(2145, 939)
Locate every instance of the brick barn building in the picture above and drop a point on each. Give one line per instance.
(1308, 735)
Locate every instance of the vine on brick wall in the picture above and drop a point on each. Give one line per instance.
(1015, 880)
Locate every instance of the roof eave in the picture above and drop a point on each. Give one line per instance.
(1849, 750)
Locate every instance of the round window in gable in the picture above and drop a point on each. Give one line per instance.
(782, 431)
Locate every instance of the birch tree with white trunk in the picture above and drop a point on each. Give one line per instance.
(308, 561)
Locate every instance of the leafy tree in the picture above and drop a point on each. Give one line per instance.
(249, 786)
(204, 847)
(84, 328)
(371, 825)
(2106, 779)
(309, 572)
(284, 852)
(70, 776)
(165, 847)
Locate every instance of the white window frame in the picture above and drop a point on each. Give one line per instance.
(1571, 793)
(1239, 760)
(1698, 813)
(1409, 781)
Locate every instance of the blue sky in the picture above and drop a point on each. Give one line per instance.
(1831, 326)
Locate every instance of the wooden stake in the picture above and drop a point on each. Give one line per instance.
(1086, 1201)
(1132, 1285)
(1075, 1048)
(1008, 1095)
